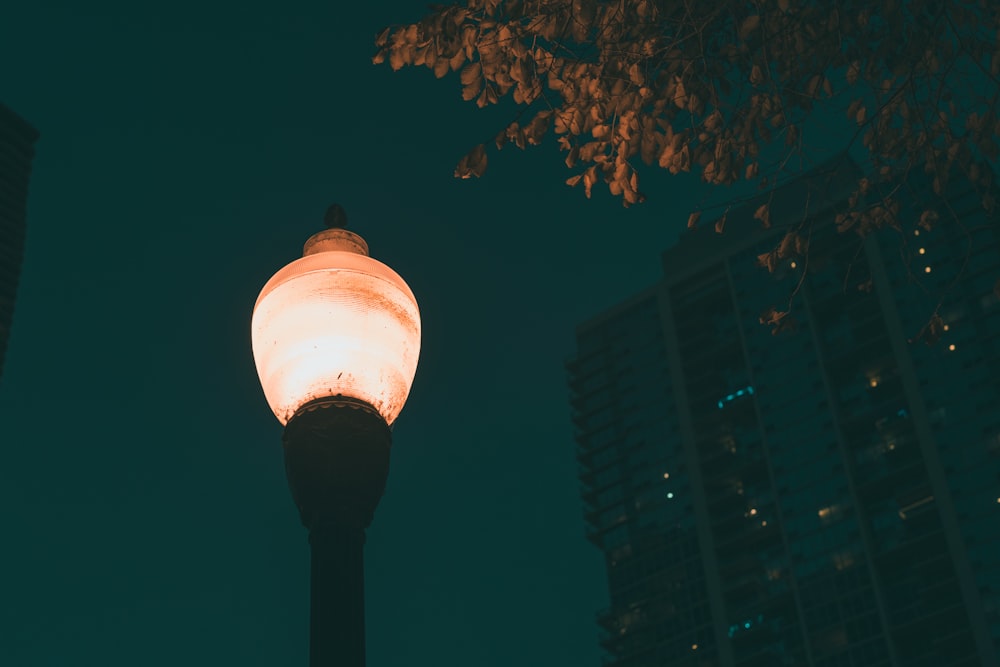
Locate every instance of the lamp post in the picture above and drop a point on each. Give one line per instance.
(336, 336)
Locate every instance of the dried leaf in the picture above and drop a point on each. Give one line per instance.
(693, 219)
(778, 320)
(788, 245)
(853, 71)
(472, 90)
(471, 72)
(473, 164)
(927, 219)
(749, 25)
(931, 332)
(720, 224)
(441, 67)
(767, 260)
(397, 60)
(772, 315)
(589, 179)
(763, 213)
(813, 85)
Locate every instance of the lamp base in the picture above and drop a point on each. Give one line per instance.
(337, 461)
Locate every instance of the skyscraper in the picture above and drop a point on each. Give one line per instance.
(827, 496)
(17, 140)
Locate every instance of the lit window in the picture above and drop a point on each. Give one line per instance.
(733, 396)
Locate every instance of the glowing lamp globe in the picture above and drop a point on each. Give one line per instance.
(336, 324)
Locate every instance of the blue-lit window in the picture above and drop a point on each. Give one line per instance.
(739, 393)
(745, 625)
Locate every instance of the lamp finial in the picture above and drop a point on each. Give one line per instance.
(336, 217)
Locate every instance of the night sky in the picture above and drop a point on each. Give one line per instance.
(187, 151)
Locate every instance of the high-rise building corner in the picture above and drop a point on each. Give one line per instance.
(17, 141)
(827, 496)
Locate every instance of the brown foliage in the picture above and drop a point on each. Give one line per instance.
(708, 86)
(724, 88)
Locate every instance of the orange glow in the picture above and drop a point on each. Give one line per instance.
(921, 251)
(828, 513)
(952, 347)
(873, 382)
(927, 269)
(336, 323)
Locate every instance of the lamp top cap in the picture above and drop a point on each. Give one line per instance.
(335, 237)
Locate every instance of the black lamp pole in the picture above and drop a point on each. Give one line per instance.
(337, 462)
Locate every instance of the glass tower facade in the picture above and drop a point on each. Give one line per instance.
(829, 496)
(17, 140)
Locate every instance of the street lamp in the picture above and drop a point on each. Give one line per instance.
(336, 336)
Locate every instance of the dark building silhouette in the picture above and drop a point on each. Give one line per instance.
(17, 140)
(829, 496)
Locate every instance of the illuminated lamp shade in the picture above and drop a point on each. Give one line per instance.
(336, 323)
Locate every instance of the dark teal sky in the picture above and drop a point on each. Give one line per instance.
(187, 150)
